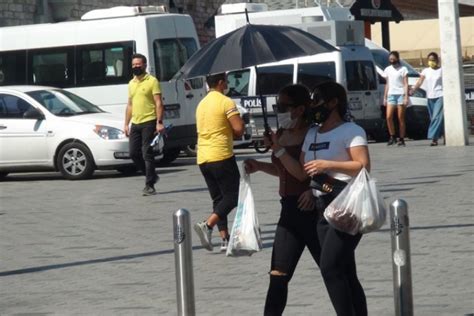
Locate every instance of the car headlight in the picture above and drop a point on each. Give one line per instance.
(107, 132)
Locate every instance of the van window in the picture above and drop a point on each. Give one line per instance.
(13, 67)
(272, 78)
(238, 83)
(360, 75)
(51, 67)
(171, 54)
(313, 74)
(104, 63)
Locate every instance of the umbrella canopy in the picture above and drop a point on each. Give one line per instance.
(252, 45)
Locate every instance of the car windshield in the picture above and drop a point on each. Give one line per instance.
(63, 103)
(381, 60)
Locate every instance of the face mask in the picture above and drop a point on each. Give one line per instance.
(319, 114)
(432, 64)
(285, 121)
(138, 71)
(394, 63)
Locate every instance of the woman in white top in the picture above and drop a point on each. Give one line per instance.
(396, 96)
(432, 77)
(339, 149)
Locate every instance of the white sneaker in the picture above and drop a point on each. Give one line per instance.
(205, 235)
(224, 244)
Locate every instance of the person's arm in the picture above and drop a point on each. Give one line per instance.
(252, 165)
(405, 89)
(159, 108)
(237, 125)
(292, 165)
(359, 156)
(385, 92)
(418, 84)
(128, 117)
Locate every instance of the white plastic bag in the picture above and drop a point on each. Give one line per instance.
(245, 236)
(358, 208)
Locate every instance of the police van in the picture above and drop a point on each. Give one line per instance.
(352, 65)
(92, 58)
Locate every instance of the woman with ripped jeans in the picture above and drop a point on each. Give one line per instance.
(296, 228)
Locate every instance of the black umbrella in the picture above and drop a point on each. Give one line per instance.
(252, 45)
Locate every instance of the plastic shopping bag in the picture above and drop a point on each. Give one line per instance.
(245, 236)
(358, 208)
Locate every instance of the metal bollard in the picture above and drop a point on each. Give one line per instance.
(183, 257)
(401, 262)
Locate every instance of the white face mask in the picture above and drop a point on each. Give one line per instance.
(285, 121)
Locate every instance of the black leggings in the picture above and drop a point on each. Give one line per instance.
(295, 230)
(222, 179)
(338, 269)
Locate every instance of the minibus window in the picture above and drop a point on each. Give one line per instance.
(12, 68)
(171, 54)
(313, 74)
(238, 83)
(360, 75)
(104, 64)
(271, 79)
(52, 67)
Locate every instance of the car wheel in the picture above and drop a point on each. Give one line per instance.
(190, 150)
(75, 161)
(169, 155)
(127, 170)
(3, 175)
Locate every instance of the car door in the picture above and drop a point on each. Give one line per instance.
(23, 141)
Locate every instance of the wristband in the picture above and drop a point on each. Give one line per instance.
(280, 152)
(160, 121)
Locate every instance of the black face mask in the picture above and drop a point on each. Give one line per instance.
(319, 114)
(138, 71)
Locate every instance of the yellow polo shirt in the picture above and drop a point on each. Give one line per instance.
(142, 92)
(215, 136)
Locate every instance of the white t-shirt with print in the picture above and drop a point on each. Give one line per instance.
(433, 82)
(395, 79)
(333, 145)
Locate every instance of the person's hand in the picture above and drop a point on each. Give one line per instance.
(306, 201)
(314, 167)
(411, 91)
(405, 100)
(385, 101)
(160, 128)
(126, 130)
(251, 165)
(268, 139)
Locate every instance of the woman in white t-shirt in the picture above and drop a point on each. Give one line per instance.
(432, 78)
(339, 149)
(396, 96)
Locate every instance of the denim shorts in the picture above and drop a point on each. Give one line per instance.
(395, 99)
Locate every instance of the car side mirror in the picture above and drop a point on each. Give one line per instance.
(34, 114)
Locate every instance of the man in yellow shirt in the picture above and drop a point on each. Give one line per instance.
(145, 111)
(218, 122)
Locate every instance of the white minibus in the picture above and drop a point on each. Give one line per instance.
(92, 58)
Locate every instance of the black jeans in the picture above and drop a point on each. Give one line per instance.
(222, 179)
(141, 135)
(338, 269)
(296, 230)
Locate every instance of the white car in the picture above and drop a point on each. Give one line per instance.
(44, 128)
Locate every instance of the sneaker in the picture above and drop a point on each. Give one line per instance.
(391, 141)
(205, 234)
(149, 190)
(401, 143)
(224, 244)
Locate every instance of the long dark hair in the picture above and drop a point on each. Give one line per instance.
(329, 90)
(297, 93)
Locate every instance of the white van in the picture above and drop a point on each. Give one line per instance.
(351, 66)
(417, 116)
(92, 58)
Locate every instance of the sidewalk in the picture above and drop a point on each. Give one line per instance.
(98, 248)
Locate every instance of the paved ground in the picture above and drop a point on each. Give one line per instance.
(98, 248)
